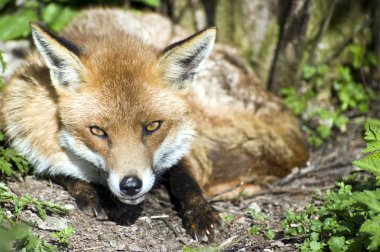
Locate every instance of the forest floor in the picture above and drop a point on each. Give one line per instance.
(159, 228)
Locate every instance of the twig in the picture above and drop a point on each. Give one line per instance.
(312, 169)
(92, 248)
(226, 191)
(289, 190)
(154, 217)
(231, 241)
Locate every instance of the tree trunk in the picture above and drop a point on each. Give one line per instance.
(291, 44)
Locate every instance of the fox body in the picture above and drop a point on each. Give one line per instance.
(101, 105)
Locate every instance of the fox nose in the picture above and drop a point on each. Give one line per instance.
(131, 185)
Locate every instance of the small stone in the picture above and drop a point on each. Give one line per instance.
(113, 244)
(254, 206)
(53, 223)
(31, 217)
(133, 247)
(277, 244)
(69, 207)
(172, 244)
(241, 220)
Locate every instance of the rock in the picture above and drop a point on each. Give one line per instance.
(54, 223)
(254, 206)
(133, 247)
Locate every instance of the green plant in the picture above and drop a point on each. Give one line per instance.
(260, 225)
(150, 3)
(327, 94)
(345, 220)
(15, 23)
(19, 237)
(16, 15)
(11, 161)
(19, 203)
(63, 237)
(351, 95)
(229, 218)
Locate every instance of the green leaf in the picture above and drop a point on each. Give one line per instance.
(229, 217)
(254, 230)
(372, 227)
(316, 246)
(322, 69)
(151, 3)
(270, 234)
(314, 236)
(13, 26)
(370, 163)
(372, 135)
(363, 107)
(5, 167)
(308, 72)
(369, 198)
(316, 226)
(372, 146)
(56, 16)
(337, 244)
(341, 121)
(324, 131)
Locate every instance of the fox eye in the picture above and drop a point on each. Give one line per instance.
(152, 127)
(96, 131)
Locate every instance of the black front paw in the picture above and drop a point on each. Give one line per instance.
(89, 203)
(202, 222)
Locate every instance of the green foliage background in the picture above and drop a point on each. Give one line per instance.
(15, 17)
(347, 219)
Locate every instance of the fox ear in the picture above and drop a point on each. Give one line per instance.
(61, 57)
(181, 61)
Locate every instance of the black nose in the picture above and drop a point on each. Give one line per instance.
(131, 185)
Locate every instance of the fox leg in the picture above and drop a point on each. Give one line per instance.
(199, 218)
(85, 195)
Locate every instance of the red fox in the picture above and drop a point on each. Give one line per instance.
(97, 104)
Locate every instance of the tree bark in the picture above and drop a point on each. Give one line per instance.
(210, 10)
(375, 41)
(291, 44)
(323, 27)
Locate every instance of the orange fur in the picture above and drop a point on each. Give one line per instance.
(244, 133)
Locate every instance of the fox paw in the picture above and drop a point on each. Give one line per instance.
(89, 203)
(203, 222)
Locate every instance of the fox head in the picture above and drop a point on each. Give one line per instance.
(121, 103)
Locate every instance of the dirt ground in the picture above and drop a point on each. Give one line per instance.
(160, 229)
